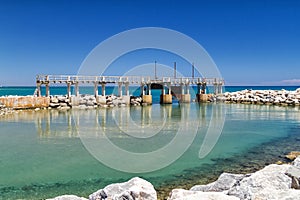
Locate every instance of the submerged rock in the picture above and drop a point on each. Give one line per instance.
(135, 188)
(293, 155)
(181, 194)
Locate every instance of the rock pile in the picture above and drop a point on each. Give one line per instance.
(135, 188)
(136, 101)
(4, 110)
(272, 182)
(90, 101)
(60, 102)
(267, 97)
(276, 182)
(113, 101)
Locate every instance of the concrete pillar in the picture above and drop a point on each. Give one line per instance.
(221, 88)
(127, 89)
(163, 90)
(149, 89)
(142, 90)
(96, 89)
(69, 89)
(103, 89)
(202, 98)
(47, 90)
(165, 98)
(187, 89)
(169, 89)
(182, 89)
(215, 88)
(203, 90)
(76, 89)
(38, 90)
(120, 92)
(147, 99)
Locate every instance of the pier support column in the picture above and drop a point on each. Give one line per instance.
(220, 88)
(103, 89)
(203, 90)
(96, 89)
(127, 89)
(148, 89)
(202, 98)
(166, 98)
(38, 89)
(76, 89)
(69, 89)
(47, 90)
(142, 89)
(120, 92)
(147, 98)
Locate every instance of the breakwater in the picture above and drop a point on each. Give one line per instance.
(65, 102)
(260, 97)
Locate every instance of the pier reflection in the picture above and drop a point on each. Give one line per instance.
(135, 120)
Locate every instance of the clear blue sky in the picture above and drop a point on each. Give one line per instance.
(252, 42)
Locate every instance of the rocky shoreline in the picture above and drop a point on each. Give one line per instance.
(272, 182)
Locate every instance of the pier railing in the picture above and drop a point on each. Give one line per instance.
(47, 79)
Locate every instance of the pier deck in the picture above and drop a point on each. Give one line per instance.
(144, 81)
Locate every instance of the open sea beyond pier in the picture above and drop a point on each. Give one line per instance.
(42, 154)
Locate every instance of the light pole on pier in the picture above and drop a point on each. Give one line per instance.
(155, 70)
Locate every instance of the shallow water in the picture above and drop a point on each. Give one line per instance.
(46, 153)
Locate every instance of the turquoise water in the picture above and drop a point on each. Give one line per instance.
(43, 153)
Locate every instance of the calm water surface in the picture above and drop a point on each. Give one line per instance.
(42, 153)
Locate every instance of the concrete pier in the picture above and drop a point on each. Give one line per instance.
(181, 86)
(147, 99)
(165, 98)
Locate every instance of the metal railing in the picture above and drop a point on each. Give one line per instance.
(126, 79)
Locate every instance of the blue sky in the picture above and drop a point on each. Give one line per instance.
(252, 42)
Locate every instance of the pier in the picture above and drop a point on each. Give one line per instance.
(178, 87)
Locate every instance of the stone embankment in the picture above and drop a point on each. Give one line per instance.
(261, 97)
(277, 182)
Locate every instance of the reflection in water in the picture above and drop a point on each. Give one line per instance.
(43, 149)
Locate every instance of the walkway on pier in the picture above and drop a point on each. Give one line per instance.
(168, 84)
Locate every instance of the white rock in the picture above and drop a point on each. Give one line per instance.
(180, 194)
(224, 182)
(296, 162)
(263, 182)
(135, 188)
(68, 197)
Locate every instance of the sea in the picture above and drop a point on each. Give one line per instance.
(47, 153)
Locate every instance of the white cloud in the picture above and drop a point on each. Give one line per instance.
(291, 81)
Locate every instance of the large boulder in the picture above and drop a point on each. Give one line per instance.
(263, 184)
(293, 155)
(68, 197)
(135, 188)
(296, 162)
(181, 194)
(224, 182)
